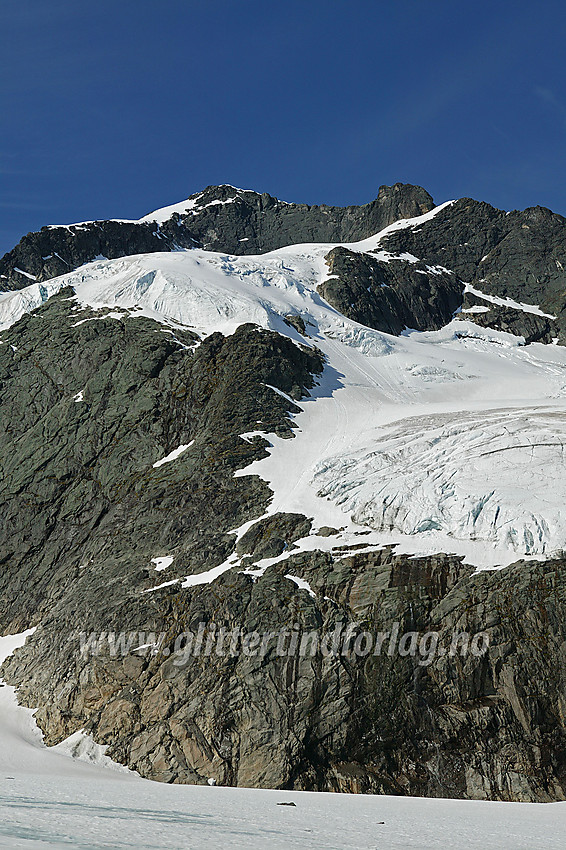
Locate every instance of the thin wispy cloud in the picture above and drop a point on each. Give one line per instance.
(549, 99)
(27, 205)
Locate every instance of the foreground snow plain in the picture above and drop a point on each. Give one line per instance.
(48, 798)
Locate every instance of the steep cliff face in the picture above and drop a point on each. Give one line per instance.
(88, 405)
(518, 255)
(438, 724)
(390, 296)
(191, 612)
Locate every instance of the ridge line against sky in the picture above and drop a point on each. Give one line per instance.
(112, 110)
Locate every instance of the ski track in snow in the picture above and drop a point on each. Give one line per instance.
(391, 439)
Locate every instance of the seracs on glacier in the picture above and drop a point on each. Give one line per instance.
(447, 441)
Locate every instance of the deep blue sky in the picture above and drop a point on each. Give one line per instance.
(111, 108)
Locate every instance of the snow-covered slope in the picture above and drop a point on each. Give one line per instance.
(192, 205)
(22, 750)
(50, 800)
(442, 441)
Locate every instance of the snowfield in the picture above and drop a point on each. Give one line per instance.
(445, 441)
(73, 796)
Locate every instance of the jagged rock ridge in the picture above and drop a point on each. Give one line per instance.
(518, 255)
(221, 218)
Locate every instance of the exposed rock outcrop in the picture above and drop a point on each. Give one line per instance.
(221, 218)
(516, 255)
(89, 404)
(194, 653)
(438, 724)
(390, 296)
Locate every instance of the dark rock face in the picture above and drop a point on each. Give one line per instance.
(269, 537)
(518, 255)
(390, 296)
(532, 327)
(54, 251)
(223, 219)
(86, 512)
(452, 725)
(83, 506)
(254, 224)
(475, 240)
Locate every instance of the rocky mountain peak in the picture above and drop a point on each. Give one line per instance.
(403, 200)
(219, 218)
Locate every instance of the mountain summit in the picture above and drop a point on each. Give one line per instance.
(220, 218)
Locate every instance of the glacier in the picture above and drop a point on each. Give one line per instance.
(445, 441)
(441, 441)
